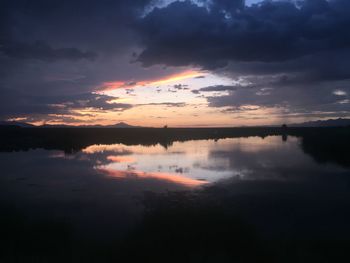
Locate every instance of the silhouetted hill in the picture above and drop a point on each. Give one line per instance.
(54, 126)
(324, 123)
(122, 125)
(16, 123)
(118, 125)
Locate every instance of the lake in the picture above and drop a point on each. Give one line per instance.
(214, 200)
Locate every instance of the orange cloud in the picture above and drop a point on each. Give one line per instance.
(113, 85)
(119, 100)
(107, 86)
(176, 77)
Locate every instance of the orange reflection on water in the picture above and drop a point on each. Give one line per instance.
(174, 178)
(123, 149)
(100, 148)
(121, 159)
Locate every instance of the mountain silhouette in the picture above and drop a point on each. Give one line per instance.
(27, 125)
(340, 122)
(16, 123)
(122, 125)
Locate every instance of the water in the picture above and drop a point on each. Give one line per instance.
(100, 193)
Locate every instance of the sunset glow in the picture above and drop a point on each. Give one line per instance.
(175, 131)
(153, 72)
(108, 86)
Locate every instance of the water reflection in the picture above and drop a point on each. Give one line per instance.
(130, 175)
(98, 193)
(195, 163)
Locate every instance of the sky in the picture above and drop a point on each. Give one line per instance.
(203, 63)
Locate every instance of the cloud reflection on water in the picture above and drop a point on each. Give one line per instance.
(206, 160)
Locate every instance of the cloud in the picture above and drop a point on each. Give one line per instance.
(292, 56)
(17, 104)
(218, 88)
(212, 36)
(180, 87)
(58, 51)
(168, 104)
(339, 92)
(88, 100)
(42, 51)
(99, 26)
(195, 91)
(296, 99)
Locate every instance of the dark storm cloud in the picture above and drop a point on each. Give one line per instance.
(294, 98)
(288, 55)
(326, 66)
(16, 104)
(88, 100)
(218, 88)
(69, 21)
(291, 55)
(42, 51)
(56, 29)
(52, 49)
(272, 31)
